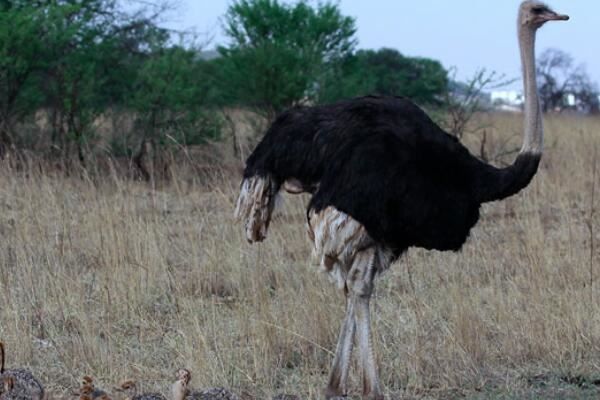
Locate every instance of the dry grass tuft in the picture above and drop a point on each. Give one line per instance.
(114, 279)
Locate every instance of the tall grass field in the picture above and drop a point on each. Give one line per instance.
(117, 278)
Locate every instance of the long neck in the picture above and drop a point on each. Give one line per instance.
(533, 141)
(178, 390)
(499, 183)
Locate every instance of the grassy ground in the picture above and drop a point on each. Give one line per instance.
(120, 280)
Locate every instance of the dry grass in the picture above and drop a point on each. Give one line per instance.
(115, 280)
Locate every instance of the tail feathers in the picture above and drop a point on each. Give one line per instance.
(255, 206)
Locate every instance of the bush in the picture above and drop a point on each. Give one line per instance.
(387, 72)
(278, 52)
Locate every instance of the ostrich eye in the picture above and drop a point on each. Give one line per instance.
(538, 10)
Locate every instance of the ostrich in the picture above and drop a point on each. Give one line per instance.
(89, 391)
(383, 177)
(18, 382)
(181, 391)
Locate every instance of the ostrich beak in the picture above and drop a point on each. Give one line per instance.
(557, 17)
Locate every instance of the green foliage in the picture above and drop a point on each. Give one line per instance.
(76, 50)
(20, 50)
(171, 98)
(78, 59)
(279, 51)
(386, 72)
(77, 63)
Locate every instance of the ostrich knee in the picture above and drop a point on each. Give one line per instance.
(360, 279)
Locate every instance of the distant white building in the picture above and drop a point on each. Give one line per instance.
(507, 97)
(513, 100)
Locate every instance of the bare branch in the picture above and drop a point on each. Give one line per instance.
(564, 86)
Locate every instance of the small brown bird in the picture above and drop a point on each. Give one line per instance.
(18, 383)
(181, 391)
(88, 390)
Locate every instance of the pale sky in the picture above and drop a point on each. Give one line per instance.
(466, 34)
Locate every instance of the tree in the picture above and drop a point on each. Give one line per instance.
(171, 99)
(466, 99)
(94, 51)
(387, 72)
(278, 52)
(77, 62)
(72, 59)
(559, 78)
(20, 48)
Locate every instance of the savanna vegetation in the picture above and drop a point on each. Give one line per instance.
(86, 78)
(120, 153)
(118, 279)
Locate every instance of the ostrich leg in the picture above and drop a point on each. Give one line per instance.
(371, 385)
(340, 368)
(361, 279)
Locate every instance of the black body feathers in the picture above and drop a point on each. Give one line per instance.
(384, 162)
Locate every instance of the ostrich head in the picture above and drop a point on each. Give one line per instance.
(85, 389)
(180, 387)
(534, 14)
(183, 375)
(129, 387)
